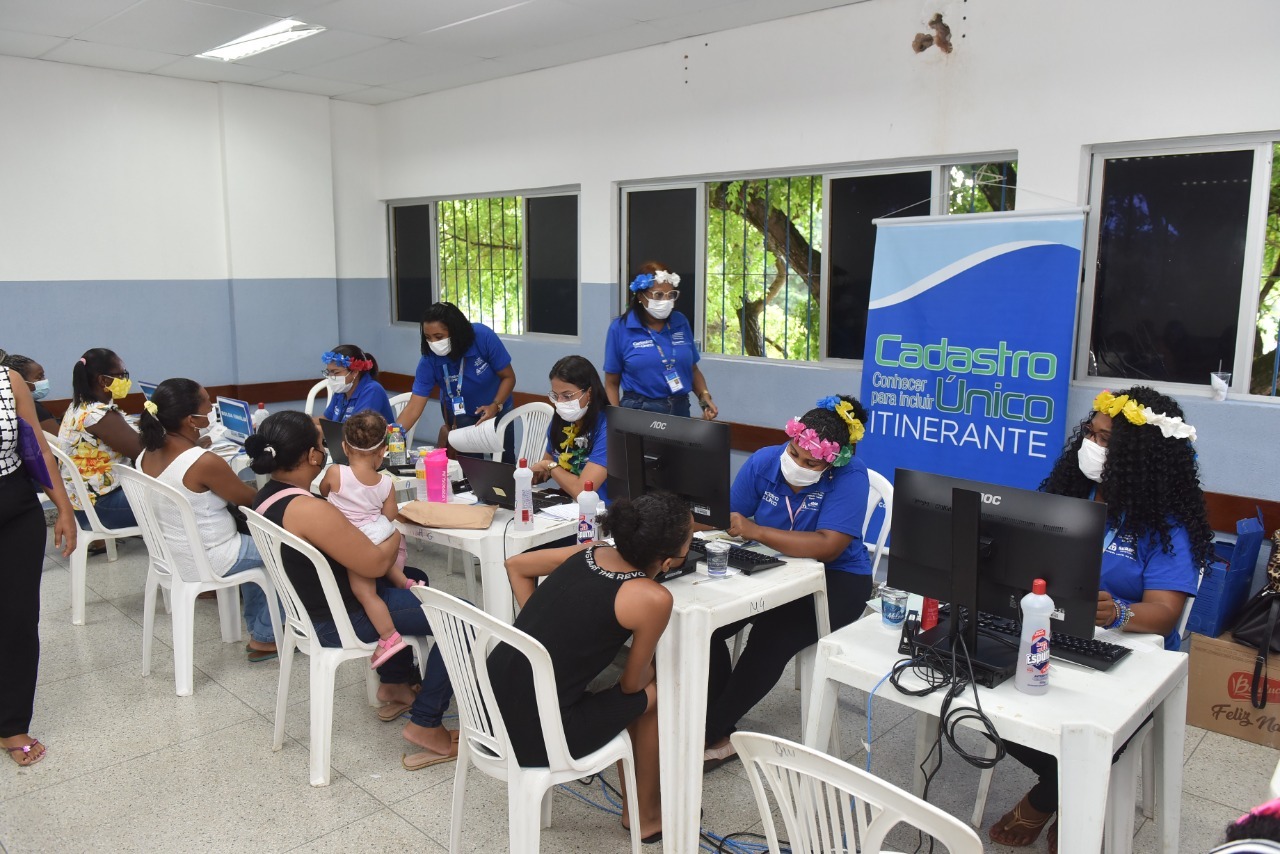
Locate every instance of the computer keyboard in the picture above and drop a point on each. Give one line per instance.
(743, 560)
(1092, 653)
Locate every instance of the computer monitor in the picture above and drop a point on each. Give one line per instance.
(236, 420)
(1016, 536)
(147, 389)
(686, 456)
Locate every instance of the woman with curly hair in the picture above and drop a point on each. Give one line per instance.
(805, 498)
(1134, 453)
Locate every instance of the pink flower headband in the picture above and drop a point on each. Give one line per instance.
(1270, 808)
(808, 440)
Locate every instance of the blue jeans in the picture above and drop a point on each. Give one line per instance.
(113, 511)
(253, 602)
(409, 619)
(675, 405)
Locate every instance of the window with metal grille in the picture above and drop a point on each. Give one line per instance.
(981, 187)
(481, 260)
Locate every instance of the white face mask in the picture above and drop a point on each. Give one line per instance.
(1091, 457)
(571, 410)
(441, 347)
(661, 310)
(40, 389)
(796, 474)
(211, 418)
(338, 385)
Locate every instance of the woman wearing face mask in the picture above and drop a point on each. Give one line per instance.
(651, 360)
(96, 437)
(471, 367)
(352, 377)
(806, 498)
(1134, 453)
(32, 372)
(170, 424)
(576, 436)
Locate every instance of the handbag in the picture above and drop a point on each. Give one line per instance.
(1256, 625)
(32, 457)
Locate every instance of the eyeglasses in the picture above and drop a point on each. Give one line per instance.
(1099, 437)
(667, 296)
(327, 373)
(566, 397)
(123, 375)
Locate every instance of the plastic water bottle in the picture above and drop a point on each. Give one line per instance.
(524, 496)
(1032, 674)
(395, 446)
(259, 415)
(420, 473)
(588, 507)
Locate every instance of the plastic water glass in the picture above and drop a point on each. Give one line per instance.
(717, 559)
(893, 607)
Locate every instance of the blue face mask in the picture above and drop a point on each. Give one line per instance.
(40, 389)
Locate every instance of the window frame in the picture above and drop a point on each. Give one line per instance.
(524, 195)
(699, 245)
(1255, 235)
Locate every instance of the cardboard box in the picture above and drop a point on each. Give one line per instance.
(1221, 673)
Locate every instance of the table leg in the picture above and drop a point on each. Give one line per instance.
(822, 704)
(682, 662)
(1168, 730)
(1084, 779)
(496, 587)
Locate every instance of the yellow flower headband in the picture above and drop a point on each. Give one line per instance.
(1171, 426)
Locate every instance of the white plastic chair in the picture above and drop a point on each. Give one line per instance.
(321, 386)
(299, 632)
(533, 419)
(398, 403)
(97, 530)
(184, 579)
(466, 635)
(828, 805)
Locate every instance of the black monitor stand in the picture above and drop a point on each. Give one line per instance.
(993, 659)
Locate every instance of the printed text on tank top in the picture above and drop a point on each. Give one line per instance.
(589, 554)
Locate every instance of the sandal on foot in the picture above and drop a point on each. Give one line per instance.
(1019, 822)
(410, 583)
(387, 647)
(424, 759)
(714, 757)
(25, 760)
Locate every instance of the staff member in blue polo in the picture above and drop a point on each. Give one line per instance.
(805, 498)
(352, 376)
(471, 367)
(650, 358)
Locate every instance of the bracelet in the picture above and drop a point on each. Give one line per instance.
(1123, 614)
(704, 404)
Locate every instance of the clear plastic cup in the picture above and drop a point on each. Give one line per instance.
(893, 607)
(717, 559)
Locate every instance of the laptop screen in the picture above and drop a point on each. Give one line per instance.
(148, 389)
(235, 418)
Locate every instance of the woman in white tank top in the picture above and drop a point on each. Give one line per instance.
(172, 427)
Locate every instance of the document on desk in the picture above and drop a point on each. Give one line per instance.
(562, 512)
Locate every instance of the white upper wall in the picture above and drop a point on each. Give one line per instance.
(360, 219)
(843, 86)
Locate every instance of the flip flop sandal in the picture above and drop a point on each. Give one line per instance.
(257, 656)
(1016, 822)
(425, 759)
(390, 711)
(25, 750)
(714, 757)
(387, 647)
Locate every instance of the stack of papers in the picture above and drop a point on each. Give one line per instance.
(562, 512)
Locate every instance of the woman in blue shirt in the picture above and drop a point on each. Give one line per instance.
(576, 437)
(471, 367)
(806, 498)
(651, 360)
(352, 375)
(1134, 453)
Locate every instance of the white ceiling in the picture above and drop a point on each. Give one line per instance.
(374, 51)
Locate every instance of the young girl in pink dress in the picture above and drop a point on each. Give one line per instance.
(368, 499)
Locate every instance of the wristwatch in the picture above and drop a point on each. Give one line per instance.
(704, 399)
(552, 464)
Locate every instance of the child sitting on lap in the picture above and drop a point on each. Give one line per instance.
(367, 498)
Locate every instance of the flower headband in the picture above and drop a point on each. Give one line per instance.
(824, 449)
(1270, 808)
(332, 358)
(1171, 426)
(644, 281)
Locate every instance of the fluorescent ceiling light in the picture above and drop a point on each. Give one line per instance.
(272, 36)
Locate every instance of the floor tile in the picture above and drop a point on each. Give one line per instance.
(55, 591)
(1204, 825)
(107, 639)
(1229, 771)
(383, 831)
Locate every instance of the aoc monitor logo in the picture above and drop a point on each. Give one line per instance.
(993, 500)
(658, 425)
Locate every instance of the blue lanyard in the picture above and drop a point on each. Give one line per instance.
(444, 369)
(666, 363)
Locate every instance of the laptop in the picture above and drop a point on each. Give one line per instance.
(494, 483)
(237, 420)
(333, 442)
(147, 389)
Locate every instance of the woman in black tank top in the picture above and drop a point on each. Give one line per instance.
(594, 598)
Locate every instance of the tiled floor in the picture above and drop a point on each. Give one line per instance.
(133, 767)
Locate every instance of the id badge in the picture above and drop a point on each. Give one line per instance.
(673, 381)
(459, 405)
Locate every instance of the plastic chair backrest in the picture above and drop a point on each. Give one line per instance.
(72, 474)
(398, 403)
(828, 805)
(465, 636)
(151, 500)
(534, 419)
(271, 540)
(881, 494)
(314, 393)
